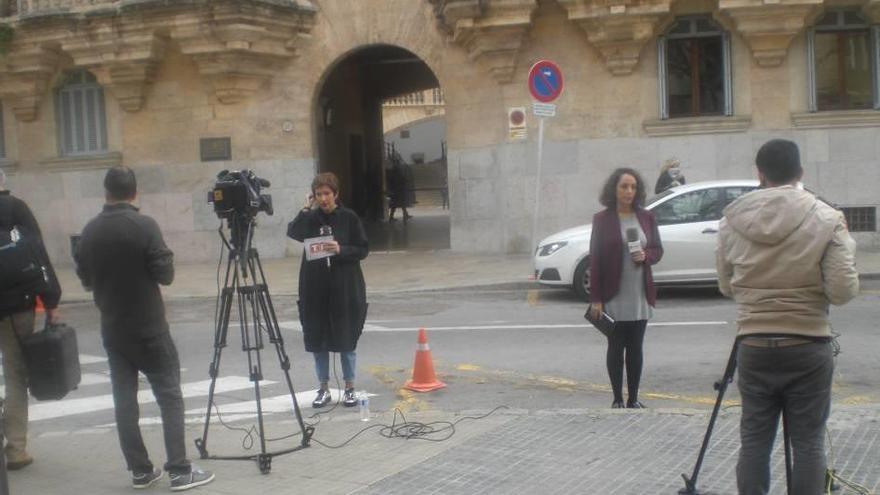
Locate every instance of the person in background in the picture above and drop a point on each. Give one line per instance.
(784, 256)
(17, 321)
(625, 243)
(332, 293)
(670, 176)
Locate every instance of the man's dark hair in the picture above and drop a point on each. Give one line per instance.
(609, 190)
(779, 161)
(120, 184)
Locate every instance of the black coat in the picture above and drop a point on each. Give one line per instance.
(122, 258)
(15, 213)
(332, 300)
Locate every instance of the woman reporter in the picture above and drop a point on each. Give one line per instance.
(621, 283)
(332, 295)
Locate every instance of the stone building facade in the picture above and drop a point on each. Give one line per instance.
(291, 87)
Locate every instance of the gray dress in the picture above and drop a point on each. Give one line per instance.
(630, 303)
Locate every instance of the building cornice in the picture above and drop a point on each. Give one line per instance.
(768, 26)
(237, 46)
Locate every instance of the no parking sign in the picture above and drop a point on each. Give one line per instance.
(545, 81)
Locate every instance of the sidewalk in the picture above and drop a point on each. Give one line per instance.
(508, 452)
(395, 271)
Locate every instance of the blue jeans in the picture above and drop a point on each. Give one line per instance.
(322, 365)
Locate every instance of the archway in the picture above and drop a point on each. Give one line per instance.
(350, 105)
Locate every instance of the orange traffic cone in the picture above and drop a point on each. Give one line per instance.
(423, 377)
(38, 307)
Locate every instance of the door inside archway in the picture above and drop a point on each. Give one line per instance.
(381, 129)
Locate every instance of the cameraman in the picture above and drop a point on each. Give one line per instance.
(332, 294)
(122, 258)
(16, 321)
(783, 255)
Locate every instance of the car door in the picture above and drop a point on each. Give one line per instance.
(688, 225)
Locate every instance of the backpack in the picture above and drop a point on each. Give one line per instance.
(20, 266)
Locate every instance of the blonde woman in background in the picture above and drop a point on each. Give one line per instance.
(670, 176)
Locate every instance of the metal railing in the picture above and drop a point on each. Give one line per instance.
(23, 7)
(431, 97)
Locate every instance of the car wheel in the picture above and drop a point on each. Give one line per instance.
(581, 283)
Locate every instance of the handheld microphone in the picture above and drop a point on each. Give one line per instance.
(632, 240)
(325, 231)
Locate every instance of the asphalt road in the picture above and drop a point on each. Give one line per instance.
(527, 349)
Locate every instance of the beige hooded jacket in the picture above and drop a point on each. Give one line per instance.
(783, 255)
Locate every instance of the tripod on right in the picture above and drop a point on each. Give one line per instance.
(690, 483)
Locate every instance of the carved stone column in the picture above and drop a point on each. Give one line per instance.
(28, 72)
(768, 26)
(620, 29)
(492, 31)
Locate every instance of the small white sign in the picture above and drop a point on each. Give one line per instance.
(317, 248)
(544, 109)
(516, 124)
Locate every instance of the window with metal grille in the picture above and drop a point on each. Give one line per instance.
(79, 108)
(861, 218)
(694, 69)
(843, 56)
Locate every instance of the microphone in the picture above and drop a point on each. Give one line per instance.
(325, 231)
(632, 240)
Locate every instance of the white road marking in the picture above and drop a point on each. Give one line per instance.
(89, 359)
(369, 327)
(238, 411)
(67, 407)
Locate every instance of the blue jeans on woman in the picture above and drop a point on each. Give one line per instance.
(322, 365)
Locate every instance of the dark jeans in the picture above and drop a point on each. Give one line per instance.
(157, 358)
(794, 381)
(625, 347)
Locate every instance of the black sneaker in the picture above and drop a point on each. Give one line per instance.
(635, 405)
(348, 398)
(618, 404)
(192, 479)
(145, 480)
(322, 399)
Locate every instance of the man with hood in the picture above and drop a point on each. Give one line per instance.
(783, 255)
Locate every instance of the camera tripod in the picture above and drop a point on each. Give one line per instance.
(246, 283)
(690, 483)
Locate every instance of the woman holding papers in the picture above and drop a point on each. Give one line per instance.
(332, 294)
(624, 244)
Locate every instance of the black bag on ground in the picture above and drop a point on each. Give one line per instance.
(52, 358)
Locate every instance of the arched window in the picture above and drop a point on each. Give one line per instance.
(79, 108)
(694, 69)
(843, 55)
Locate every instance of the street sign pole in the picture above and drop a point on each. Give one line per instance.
(538, 183)
(545, 86)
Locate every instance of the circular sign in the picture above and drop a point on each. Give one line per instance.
(545, 81)
(517, 117)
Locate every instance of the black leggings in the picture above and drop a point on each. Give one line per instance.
(626, 338)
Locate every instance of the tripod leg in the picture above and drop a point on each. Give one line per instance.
(690, 484)
(220, 334)
(275, 337)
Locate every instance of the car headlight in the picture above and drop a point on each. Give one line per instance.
(548, 249)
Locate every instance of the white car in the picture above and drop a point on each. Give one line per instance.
(687, 217)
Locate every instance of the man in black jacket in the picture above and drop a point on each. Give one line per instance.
(16, 321)
(122, 258)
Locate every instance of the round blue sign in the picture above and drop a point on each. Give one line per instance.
(545, 81)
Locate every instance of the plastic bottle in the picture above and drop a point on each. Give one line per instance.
(364, 405)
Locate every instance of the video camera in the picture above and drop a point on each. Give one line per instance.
(237, 194)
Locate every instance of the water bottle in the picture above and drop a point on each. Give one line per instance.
(364, 405)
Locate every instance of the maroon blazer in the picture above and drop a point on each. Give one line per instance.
(606, 254)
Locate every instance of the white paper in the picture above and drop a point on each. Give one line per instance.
(317, 247)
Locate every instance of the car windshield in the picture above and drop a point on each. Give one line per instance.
(658, 197)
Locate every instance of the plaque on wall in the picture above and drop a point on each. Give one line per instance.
(215, 149)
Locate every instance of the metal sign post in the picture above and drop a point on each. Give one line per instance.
(545, 86)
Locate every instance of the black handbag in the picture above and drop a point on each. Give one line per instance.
(604, 323)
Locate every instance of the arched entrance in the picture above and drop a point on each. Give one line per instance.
(357, 94)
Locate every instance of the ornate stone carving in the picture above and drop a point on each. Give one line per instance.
(618, 28)
(26, 76)
(768, 26)
(492, 31)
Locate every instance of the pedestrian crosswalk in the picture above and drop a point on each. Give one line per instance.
(91, 405)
